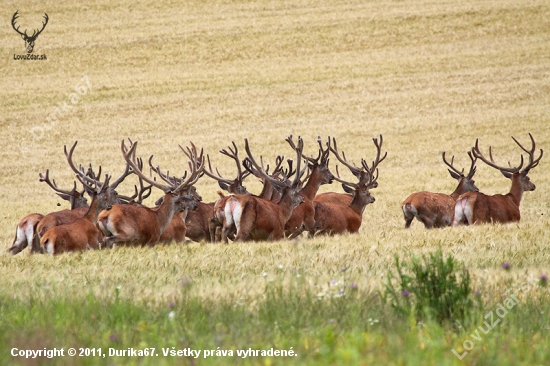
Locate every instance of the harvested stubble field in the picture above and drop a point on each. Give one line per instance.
(429, 76)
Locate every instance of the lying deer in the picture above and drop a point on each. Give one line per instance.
(26, 231)
(68, 216)
(437, 209)
(336, 218)
(131, 224)
(477, 207)
(261, 219)
(82, 233)
(303, 216)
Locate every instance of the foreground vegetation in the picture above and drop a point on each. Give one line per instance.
(429, 76)
(347, 324)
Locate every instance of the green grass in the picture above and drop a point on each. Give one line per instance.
(354, 326)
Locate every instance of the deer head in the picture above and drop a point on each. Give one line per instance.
(511, 172)
(283, 184)
(466, 183)
(367, 174)
(231, 185)
(29, 40)
(75, 198)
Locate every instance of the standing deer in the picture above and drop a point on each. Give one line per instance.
(303, 216)
(141, 225)
(26, 232)
(477, 207)
(336, 218)
(82, 233)
(260, 219)
(437, 209)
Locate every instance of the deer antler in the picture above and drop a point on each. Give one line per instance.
(477, 153)
(532, 162)
(89, 179)
(196, 166)
(460, 173)
(233, 154)
(53, 185)
(354, 170)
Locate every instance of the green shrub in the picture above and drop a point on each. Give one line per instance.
(431, 287)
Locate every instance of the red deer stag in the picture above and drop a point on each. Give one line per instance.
(202, 223)
(131, 224)
(82, 233)
(68, 216)
(303, 216)
(336, 218)
(342, 198)
(437, 209)
(25, 234)
(268, 192)
(477, 208)
(260, 219)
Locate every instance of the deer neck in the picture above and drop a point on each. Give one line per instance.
(516, 191)
(285, 203)
(313, 183)
(165, 211)
(93, 211)
(358, 203)
(459, 190)
(267, 191)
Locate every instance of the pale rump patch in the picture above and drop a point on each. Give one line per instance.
(49, 247)
(233, 212)
(459, 212)
(20, 237)
(29, 232)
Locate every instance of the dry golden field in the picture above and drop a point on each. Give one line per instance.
(430, 76)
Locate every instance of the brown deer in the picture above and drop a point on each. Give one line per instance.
(342, 198)
(260, 219)
(25, 234)
(303, 216)
(176, 231)
(26, 231)
(131, 224)
(437, 209)
(477, 207)
(82, 233)
(68, 216)
(202, 223)
(336, 218)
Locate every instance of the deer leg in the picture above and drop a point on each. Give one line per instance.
(244, 225)
(20, 241)
(429, 224)
(213, 226)
(409, 213)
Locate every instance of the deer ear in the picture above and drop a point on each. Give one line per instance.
(159, 201)
(64, 196)
(454, 175)
(223, 186)
(506, 174)
(23, 36)
(348, 189)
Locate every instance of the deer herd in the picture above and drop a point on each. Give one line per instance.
(287, 206)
